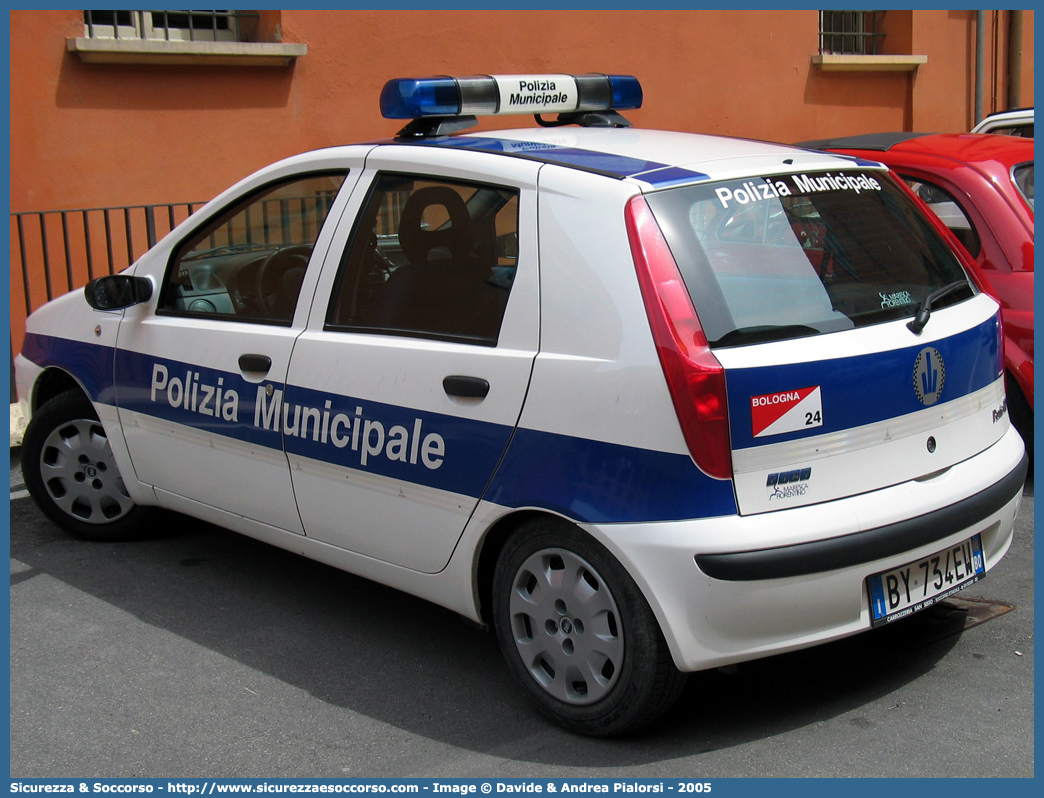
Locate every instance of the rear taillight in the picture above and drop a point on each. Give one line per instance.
(695, 378)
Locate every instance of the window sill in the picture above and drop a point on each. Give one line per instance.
(868, 63)
(141, 51)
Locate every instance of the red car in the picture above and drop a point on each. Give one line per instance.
(981, 186)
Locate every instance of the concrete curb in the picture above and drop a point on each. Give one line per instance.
(17, 425)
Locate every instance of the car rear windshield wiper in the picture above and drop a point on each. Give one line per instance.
(764, 333)
(925, 309)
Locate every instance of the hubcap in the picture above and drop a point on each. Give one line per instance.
(80, 474)
(566, 626)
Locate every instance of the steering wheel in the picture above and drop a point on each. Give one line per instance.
(274, 296)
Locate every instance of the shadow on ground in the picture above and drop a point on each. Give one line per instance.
(273, 611)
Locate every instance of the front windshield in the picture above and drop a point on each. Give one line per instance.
(786, 256)
(1023, 177)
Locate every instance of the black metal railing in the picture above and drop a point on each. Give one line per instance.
(850, 32)
(54, 252)
(281, 221)
(191, 25)
(61, 250)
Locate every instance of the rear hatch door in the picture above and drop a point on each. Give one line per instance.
(806, 285)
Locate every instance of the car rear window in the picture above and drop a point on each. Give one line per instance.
(786, 256)
(1023, 177)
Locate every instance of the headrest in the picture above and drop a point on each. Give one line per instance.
(417, 242)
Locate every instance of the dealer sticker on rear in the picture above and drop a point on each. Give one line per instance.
(786, 411)
(905, 590)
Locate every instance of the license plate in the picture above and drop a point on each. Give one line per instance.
(905, 590)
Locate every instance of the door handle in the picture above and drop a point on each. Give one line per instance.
(466, 387)
(255, 364)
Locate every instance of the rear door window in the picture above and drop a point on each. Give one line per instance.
(949, 210)
(429, 258)
(1023, 177)
(787, 256)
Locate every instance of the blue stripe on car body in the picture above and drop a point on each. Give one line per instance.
(587, 480)
(618, 166)
(864, 389)
(616, 483)
(91, 364)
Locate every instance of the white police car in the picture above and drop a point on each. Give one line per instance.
(646, 402)
(1016, 122)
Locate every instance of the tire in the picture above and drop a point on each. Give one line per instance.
(72, 475)
(578, 634)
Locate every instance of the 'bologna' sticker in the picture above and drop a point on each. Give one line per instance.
(786, 411)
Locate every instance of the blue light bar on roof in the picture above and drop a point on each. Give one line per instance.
(485, 95)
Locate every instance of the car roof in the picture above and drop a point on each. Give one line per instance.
(881, 142)
(656, 158)
(1011, 118)
(965, 147)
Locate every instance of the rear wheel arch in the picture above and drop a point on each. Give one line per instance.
(497, 537)
(492, 545)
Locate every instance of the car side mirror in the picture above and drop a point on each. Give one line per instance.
(117, 291)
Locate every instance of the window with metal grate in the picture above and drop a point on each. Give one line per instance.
(850, 32)
(180, 26)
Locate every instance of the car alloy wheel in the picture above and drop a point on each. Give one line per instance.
(70, 470)
(578, 634)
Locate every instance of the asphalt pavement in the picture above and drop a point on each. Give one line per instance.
(202, 653)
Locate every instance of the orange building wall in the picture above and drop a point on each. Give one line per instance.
(93, 135)
(87, 135)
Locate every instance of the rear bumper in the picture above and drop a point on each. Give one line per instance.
(805, 559)
(748, 598)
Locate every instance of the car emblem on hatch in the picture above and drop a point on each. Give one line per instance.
(929, 375)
